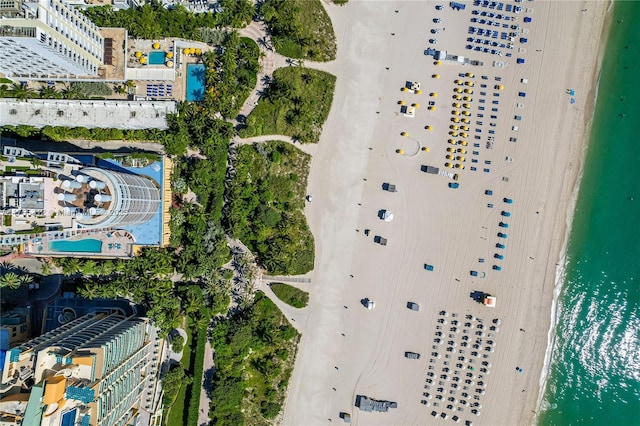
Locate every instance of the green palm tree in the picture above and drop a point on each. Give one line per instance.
(21, 91)
(10, 280)
(25, 279)
(71, 92)
(49, 92)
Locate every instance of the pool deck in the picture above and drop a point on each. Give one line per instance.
(115, 243)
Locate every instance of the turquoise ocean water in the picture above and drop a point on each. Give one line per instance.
(594, 374)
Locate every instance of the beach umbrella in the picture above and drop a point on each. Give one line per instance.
(198, 51)
(138, 54)
(457, 97)
(433, 94)
(463, 134)
(426, 149)
(436, 76)
(404, 134)
(185, 51)
(450, 157)
(453, 133)
(451, 141)
(451, 149)
(454, 112)
(469, 91)
(467, 98)
(156, 45)
(499, 87)
(465, 120)
(169, 55)
(400, 151)
(467, 106)
(170, 64)
(469, 83)
(437, 63)
(457, 81)
(460, 158)
(462, 150)
(459, 166)
(143, 60)
(455, 105)
(455, 119)
(449, 165)
(470, 75)
(404, 89)
(463, 143)
(457, 90)
(418, 92)
(401, 102)
(431, 108)
(464, 127)
(454, 127)
(416, 105)
(467, 113)
(427, 127)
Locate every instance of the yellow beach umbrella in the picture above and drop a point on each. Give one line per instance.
(198, 51)
(462, 150)
(416, 105)
(428, 127)
(418, 92)
(455, 119)
(465, 120)
(156, 45)
(457, 90)
(450, 157)
(436, 76)
(449, 165)
(452, 141)
(460, 158)
(465, 128)
(457, 81)
(138, 54)
(451, 149)
(454, 112)
(454, 127)
(463, 143)
(466, 98)
(470, 74)
(469, 83)
(457, 97)
(169, 55)
(185, 51)
(400, 151)
(453, 133)
(433, 94)
(404, 89)
(459, 166)
(455, 105)
(463, 134)
(401, 102)
(437, 63)
(143, 60)
(468, 91)
(170, 64)
(404, 134)
(426, 149)
(467, 113)
(499, 86)
(431, 108)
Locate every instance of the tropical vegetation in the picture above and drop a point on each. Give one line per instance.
(254, 353)
(153, 21)
(265, 202)
(290, 295)
(296, 103)
(300, 29)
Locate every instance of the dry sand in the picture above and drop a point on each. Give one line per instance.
(450, 229)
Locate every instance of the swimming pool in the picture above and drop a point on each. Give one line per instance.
(157, 58)
(81, 246)
(195, 82)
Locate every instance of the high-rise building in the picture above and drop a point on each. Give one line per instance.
(96, 370)
(104, 198)
(47, 39)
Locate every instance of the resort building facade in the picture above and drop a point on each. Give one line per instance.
(45, 39)
(63, 205)
(97, 370)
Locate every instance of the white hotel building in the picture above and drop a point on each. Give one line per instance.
(43, 39)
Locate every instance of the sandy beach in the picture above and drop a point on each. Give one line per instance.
(348, 350)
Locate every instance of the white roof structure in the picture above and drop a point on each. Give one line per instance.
(125, 115)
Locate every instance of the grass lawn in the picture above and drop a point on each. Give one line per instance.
(265, 205)
(300, 29)
(290, 295)
(296, 103)
(177, 411)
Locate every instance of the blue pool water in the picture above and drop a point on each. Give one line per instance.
(157, 58)
(195, 82)
(82, 246)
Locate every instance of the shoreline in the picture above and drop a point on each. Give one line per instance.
(589, 115)
(345, 179)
